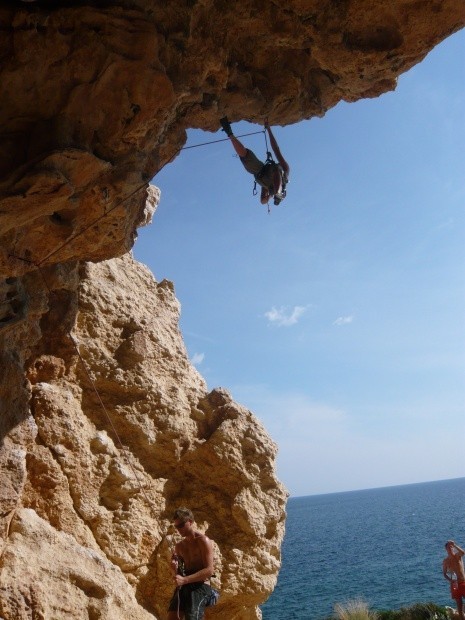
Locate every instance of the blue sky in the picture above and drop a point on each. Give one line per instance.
(338, 318)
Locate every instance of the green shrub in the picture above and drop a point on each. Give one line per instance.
(358, 610)
(420, 611)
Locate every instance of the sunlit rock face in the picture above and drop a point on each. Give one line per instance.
(96, 100)
(105, 425)
(114, 429)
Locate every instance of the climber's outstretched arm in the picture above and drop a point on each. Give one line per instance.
(277, 152)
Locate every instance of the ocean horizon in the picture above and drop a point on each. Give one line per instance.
(386, 486)
(382, 545)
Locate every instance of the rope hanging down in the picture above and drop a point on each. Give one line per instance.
(38, 266)
(123, 200)
(99, 398)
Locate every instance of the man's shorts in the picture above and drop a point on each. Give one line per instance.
(457, 589)
(251, 163)
(191, 599)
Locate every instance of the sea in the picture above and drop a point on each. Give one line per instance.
(384, 546)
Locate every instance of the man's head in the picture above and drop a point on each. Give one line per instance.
(182, 519)
(449, 547)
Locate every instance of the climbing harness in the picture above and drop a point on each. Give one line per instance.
(213, 598)
(267, 171)
(210, 599)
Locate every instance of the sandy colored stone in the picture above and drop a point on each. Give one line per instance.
(105, 426)
(60, 578)
(124, 431)
(95, 101)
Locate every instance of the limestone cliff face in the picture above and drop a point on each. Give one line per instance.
(105, 425)
(118, 430)
(96, 99)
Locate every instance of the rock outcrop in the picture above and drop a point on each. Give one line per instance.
(105, 425)
(95, 100)
(117, 430)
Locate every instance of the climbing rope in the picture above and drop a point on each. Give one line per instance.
(110, 421)
(268, 154)
(268, 160)
(125, 199)
(38, 266)
(193, 146)
(94, 388)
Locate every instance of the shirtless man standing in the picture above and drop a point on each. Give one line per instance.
(453, 570)
(192, 565)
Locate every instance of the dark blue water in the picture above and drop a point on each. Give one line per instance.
(385, 546)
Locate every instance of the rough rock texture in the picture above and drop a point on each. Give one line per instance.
(105, 426)
(96, 100)
(117, 430)
(91, 586)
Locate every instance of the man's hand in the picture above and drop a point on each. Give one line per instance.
(174, 563)
(180, 580)
(453, 547)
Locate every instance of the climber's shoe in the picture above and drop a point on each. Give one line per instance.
(226, 125)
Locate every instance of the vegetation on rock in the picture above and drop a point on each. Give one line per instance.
(359, 610)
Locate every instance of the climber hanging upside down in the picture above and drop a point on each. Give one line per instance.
(272, 176)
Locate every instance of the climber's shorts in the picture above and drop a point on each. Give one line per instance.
(457, 589)
(251, 162)
(191, 599)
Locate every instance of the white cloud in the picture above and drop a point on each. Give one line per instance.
(198, 358)
(284, 317)
(343, 320)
